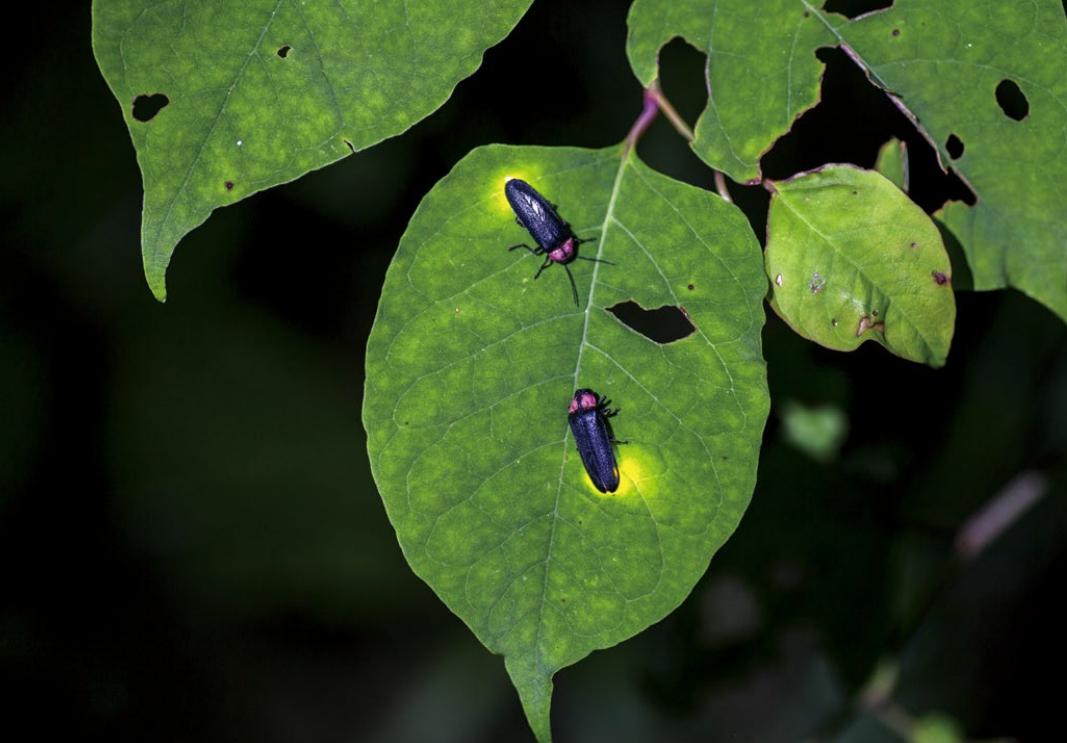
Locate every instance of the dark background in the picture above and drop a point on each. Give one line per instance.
(192, 547)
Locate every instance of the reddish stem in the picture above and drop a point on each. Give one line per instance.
(648, 113)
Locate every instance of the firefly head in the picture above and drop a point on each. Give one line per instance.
(583, 400)
(564, 252)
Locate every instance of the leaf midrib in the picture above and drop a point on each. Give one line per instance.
(609, 217)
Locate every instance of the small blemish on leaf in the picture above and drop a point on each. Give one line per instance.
(866, 323)
(350, 146)
(817, 283)
(895, 32)
(939, 278)
(833, 321)
(778, 279)
(283, 52)
(954, 146)
(691, 287)
(229, 185)
(913, 245)
(145, 107)
(1012, 100)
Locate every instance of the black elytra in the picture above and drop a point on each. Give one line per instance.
(553, 236)
(588, 415)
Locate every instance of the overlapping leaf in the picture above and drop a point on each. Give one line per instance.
(761, 73)
(259, 92)
(470, 368)
(852, 259)
(944, 63)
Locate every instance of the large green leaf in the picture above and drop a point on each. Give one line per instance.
(942, 64)
(262, 91)
(852, 259)
(470, 368)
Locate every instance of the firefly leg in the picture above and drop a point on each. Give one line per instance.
(574, 287)
(523, 245)
(597, 260)
(546, 264)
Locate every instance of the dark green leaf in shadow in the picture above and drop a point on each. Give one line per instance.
(226, 99)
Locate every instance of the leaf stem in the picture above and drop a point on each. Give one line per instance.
(682, 128)
(648, 113)
(668, 110)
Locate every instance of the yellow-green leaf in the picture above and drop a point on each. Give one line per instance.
(851, 259)
(471, 366)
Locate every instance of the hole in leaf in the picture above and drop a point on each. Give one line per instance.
(856, 8)
(954, 145)
(662, 325)
(1012, 100)
(351, 147)
(958, 190)
(229, 185)
(145, 107)
(284, 51)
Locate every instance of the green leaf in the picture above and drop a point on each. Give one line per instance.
(471, 366)
(892, 162)
(942, 64)
(851, 258)
(761, 71)
(946, 62)
(261, 92)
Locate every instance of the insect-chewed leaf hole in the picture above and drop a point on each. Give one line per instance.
(954, 146)
(1012, 100)
(662, 325)
(283, 52)
(145, 107)
(855, 8)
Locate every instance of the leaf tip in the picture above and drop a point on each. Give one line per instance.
(535, 692)
(156, 276)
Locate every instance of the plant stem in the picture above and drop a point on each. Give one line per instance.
(668, 110)
(648, 113)
(682, 128)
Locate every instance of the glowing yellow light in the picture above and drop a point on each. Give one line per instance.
(500, 202)
(633, 474)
